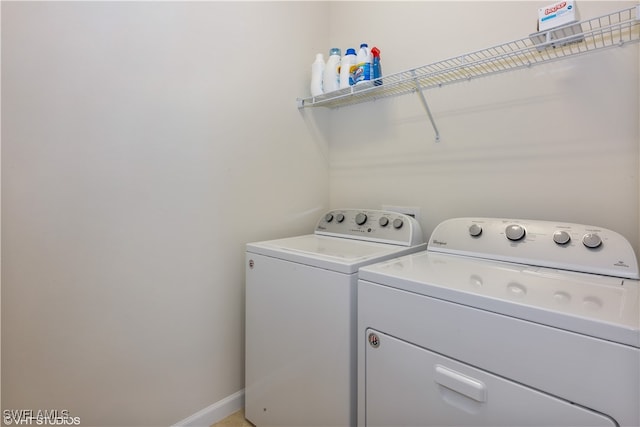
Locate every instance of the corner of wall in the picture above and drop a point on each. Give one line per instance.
(215, 412)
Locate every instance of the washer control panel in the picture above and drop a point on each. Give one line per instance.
(372, 225)
(560, 245)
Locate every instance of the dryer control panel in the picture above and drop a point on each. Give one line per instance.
(371, 225)
(560, 245)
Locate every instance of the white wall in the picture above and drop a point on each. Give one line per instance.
(140, 151)
(143, 144)
(556, 141)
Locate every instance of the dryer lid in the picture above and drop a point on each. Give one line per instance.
(600, 306)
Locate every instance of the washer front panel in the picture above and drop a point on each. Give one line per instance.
(300, 344)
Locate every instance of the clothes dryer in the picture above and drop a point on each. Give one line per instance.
(502, 323)
(301, 316)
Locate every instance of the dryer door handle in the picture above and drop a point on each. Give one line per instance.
(463, 384)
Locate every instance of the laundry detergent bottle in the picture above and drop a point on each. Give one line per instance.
(317, 71)
(363, 65)
(331, 77)
(346, 64)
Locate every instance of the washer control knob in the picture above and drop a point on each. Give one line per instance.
(591, 240)
(561, 237)
(361, 218)
(328, 217)
(398, 223)
(340, 217)
(515, 232)
(475, 230)
(383, 221)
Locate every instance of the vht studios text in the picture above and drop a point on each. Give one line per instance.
(40, 417)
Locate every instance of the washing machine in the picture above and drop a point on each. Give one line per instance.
(502, 322)
(301, 316)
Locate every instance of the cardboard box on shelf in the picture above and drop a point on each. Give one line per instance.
(557, 14)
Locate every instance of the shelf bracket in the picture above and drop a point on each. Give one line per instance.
(425, 105)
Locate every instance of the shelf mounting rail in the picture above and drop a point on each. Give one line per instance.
(611, 30)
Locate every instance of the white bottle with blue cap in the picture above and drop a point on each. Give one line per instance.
(317, 70)
(331, 78)
(348, 62)
(363, 65)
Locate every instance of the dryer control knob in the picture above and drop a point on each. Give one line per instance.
(340, 217)
(361, 218)
(561, 237)
(475, 230)
(515, 232)
(328, 217)
(398, 223)
(383, 221)
(591, 240)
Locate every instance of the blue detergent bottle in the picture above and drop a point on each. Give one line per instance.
(363, 64)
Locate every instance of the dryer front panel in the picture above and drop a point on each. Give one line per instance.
(412, 386)
(596, 374)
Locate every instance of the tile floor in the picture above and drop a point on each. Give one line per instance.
(234, 420)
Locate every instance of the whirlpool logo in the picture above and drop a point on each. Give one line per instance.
(438, 242)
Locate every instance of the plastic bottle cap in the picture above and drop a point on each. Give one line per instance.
(375, 52)
(351, 51)
(334, 51)
(364, 45)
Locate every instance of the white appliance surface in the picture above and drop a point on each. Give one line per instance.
(600, 306)
(502, 322)
(337, 254)
(301, 316)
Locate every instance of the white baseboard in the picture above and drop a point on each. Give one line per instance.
(214, 413)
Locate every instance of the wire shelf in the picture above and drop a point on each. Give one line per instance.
(615, 29)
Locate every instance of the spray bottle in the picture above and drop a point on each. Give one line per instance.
(376, 68)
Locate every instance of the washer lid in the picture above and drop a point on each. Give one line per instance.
(332, 253)
(599, 306)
